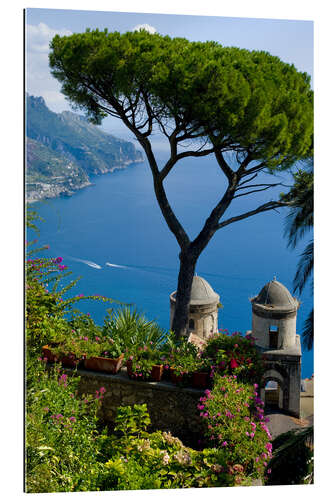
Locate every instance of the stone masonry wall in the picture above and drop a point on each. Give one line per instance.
(171, 408)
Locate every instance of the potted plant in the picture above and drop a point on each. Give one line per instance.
(144, 364)
(104, 355)
(200, 377)
(182, 371)
(182, 359)
(48, 352)
(69, 353)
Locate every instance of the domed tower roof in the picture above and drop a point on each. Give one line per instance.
(201, 293)
(275, 296)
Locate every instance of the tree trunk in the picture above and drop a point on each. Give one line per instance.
(185, 278)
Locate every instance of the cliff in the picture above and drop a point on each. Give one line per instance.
(63, 150)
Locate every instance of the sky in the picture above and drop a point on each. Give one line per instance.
(291, 40)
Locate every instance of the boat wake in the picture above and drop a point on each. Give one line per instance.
(88, 263)
(115, 265)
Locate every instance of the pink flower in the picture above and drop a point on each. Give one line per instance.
(224, 443)
(58, 260)
(269, 447)
(63, 380)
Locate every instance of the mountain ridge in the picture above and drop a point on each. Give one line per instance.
(63, 150)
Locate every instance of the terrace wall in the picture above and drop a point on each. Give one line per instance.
(171, 408)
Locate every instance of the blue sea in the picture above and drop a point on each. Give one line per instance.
(113, 235)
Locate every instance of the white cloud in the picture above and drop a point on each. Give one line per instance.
(39, 37)
(146, 27)
(39, 81)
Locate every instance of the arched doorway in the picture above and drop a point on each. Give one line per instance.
(275, 389)
(273, 395)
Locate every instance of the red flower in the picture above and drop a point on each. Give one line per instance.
(233, 363)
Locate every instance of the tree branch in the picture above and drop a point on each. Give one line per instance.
(271, 205)
(248, 180)
(172, 161)
(228, 172)
(267, 186)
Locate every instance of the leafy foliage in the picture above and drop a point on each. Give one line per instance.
(242, 97)
(300, 221)
(130, 328)
(292, 461)
(233, 414)
(234, 354)
(140, 460)
(61, 432)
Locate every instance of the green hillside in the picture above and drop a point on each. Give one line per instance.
(63, 149)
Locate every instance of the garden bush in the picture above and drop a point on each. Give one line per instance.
(234, 354)
(234, 421)
(61, 432)
(136, 459)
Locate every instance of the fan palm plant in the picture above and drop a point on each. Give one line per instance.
(299, 221)
(132, 329)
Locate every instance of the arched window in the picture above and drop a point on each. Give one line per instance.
(191, 324)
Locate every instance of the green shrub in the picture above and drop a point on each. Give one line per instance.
(234, 421)
(61, 432)
(292, 461)
(234, 354)
(141, 460)
(132, 329)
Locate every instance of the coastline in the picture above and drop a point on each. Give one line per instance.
(50, 191)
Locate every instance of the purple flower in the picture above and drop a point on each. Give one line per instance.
(224, 443)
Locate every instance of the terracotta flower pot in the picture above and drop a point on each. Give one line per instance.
(48, 354)
(99, 364)
(70, 361)
(129, 364)
(175, 379)
(200, 380)
(166, 372)
(156, 372)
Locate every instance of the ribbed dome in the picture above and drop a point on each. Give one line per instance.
(202, 292)
(274, 295)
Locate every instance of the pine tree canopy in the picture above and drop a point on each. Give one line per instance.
(248, 102)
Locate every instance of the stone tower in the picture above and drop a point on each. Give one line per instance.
(204, 304)
(274, 313)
